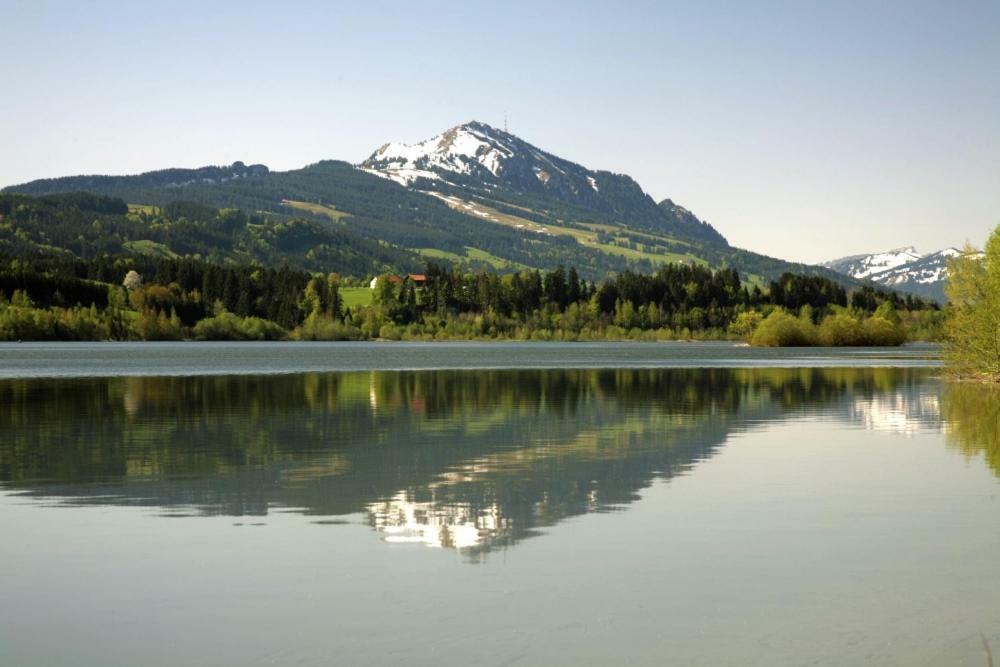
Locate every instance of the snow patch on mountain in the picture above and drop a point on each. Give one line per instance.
(902, 268)
(926, 270)
(403, 176)
(459, 150)
(866, 266)
(494, 163)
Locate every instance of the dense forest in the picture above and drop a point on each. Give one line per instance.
(60, 297)
(88, 226)
(388, 224)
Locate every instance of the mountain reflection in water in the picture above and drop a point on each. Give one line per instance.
(469, 460)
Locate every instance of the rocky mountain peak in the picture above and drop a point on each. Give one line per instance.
(493, 163)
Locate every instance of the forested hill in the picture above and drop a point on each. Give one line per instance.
(88, 226)
(122, 186)
(376, 211)
(361, 218)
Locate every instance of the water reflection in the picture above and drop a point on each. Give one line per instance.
(466, 460)
(904, 413)
(972, 420)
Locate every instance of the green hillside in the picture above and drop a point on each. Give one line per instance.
(331, 216)
(87, 226)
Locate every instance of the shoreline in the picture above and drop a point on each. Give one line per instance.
(135, 359)
(734, 342)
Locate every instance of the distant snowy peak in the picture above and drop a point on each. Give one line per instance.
(926, 270)
(903, 269)
(946, 254)
(866, 266)
(460, 150)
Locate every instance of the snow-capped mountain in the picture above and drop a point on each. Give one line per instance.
(487, 162)
(432, 199)
(465, 150)
(930, 269)
(903, 269)
(865, 266)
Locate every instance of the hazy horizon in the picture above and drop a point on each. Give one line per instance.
(798, 130)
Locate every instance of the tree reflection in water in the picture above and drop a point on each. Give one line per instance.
(971, 412)
(470, 460)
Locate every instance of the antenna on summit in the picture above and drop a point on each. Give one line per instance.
(505, 124)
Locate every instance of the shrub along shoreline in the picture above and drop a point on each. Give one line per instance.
(838, 329)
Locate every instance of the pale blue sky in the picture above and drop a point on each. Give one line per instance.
(804, 130)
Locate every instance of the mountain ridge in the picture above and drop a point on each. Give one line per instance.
(173, 177)
(465, 215)
(491, 160)
(903, 269)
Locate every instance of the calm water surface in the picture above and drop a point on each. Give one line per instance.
(188, 358)
(737, 514)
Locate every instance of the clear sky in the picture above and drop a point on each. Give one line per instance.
(804, 130)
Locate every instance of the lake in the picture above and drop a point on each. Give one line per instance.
(495, 504)
(191, 358)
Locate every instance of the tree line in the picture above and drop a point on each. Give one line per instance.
(145, 298)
